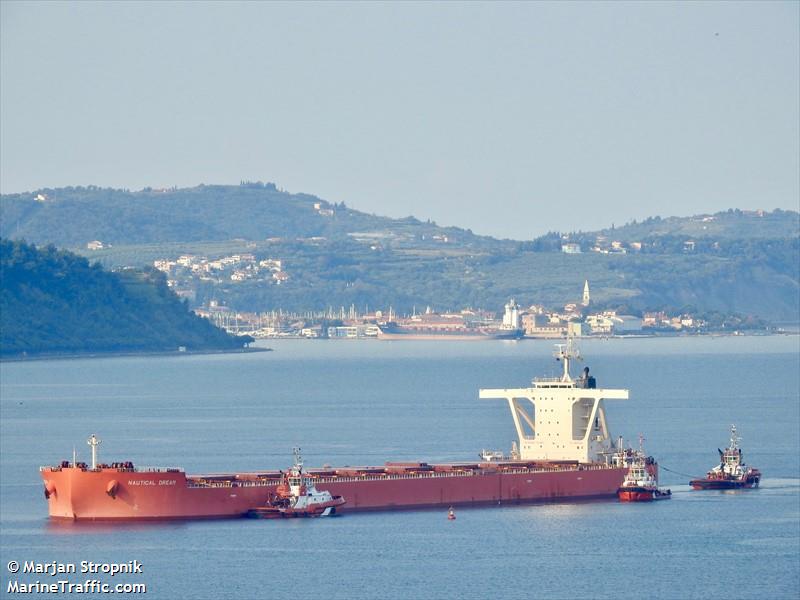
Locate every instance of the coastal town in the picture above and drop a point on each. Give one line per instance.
(575, 318)
(515, 322)
(234, 268)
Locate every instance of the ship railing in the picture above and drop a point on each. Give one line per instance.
(101, 467)
(153, 470)
(552, 382)
(199, 482)
(464, 473)
(208, 484)
(598, 467)
(394, 476)
(194, 483)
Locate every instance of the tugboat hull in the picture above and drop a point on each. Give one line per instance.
(642, 494)
(724, 484)
(326, 509)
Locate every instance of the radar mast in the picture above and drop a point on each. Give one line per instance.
(565, 353)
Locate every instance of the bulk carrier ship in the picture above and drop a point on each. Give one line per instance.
(432, 326)
(393, 331)
(564, 451)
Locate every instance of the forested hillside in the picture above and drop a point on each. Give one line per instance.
(735, 261)
(71, 217)
(53, 301)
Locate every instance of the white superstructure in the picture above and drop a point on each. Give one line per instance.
(561, 419)
(303, 494)
(731, 465)
(511, 315)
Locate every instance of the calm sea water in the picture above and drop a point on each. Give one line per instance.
(347, 402)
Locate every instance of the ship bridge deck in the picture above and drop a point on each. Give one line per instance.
(552, 382)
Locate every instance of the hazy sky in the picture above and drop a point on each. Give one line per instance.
(509, 119)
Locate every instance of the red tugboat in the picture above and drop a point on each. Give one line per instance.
(297, 496)
(731, 473)
(641, 484)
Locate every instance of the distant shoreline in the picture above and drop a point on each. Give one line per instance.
(623, 336)
(133, 353)
(120, 353)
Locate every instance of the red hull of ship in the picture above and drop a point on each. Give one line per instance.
(461, 337)
(478, 489)
(80, 494)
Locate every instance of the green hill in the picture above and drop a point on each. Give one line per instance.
(53, 301)
(728, 225)
(71, 217)
(731, 262)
